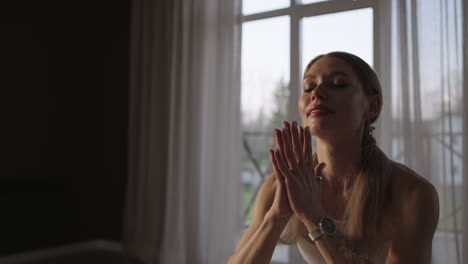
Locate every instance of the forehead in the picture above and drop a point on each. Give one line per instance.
(327, 65)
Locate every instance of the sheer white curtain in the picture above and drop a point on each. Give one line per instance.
(426, 106)
(184, 131)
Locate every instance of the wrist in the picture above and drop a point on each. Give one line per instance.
(326, 226)
(276, 219)
(311, 222)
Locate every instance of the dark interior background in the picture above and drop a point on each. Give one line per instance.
(64, 84)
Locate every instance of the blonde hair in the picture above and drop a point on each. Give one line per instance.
(365, 209)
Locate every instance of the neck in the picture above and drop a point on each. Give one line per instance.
(342, 158)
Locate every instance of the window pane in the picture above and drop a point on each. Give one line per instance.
(349, 31)
(258, 6)
(304, 2)
(265, 80)
(264, 94)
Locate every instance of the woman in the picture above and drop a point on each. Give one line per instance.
(347, 202)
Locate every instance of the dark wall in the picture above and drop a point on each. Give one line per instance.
(63, 85)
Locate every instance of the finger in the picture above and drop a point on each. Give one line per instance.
(279, 176)
(288, 151)
(285, 125)
(301, 136)
(283, 167)
(279, 140)
(318, 170)
(281, 164)
(308, 147)
(296, 143)
(302, 139)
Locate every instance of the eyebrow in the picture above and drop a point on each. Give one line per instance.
(329, 75)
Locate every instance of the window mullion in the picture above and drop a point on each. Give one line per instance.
(328, 7)
(382, 65)
(294, 256)
(295, 67)
(267, 14)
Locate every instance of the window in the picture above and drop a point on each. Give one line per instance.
(279, 38)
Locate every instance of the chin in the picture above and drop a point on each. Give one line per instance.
(318, 127)
(322, 131)
(317, 132)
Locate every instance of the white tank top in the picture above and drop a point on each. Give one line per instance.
(309, 250)
(312, 255)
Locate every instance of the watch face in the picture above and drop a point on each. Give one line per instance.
(328, 225)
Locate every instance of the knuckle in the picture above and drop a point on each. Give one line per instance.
(294, 170)
(300, 163)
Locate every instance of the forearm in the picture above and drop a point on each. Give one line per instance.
(259, 248)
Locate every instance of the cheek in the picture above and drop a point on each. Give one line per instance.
(353, 109)
(301, 104)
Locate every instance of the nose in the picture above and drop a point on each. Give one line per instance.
(319, 93)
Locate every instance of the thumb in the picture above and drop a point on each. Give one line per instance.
(318, 171)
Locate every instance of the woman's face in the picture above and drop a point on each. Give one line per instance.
(332, 82)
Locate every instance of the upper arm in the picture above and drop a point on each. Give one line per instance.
(263, 203)
(418, 219)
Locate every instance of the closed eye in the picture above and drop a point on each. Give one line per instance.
(308, 90)
(310, 86)
(340, 85)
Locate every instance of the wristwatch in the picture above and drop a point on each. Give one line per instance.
(326, 226)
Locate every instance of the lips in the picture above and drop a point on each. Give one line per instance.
(323, 110)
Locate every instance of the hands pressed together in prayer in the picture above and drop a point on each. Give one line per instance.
(298, 183)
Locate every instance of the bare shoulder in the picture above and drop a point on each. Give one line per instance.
(407, 190)
(415, 204)
(408, 187)
(405, 178)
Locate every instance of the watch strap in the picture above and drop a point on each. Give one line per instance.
(322, 228)
(315, 234)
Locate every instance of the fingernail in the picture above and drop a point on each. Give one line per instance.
(277, 132)
(294, 123)
(286, 124)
